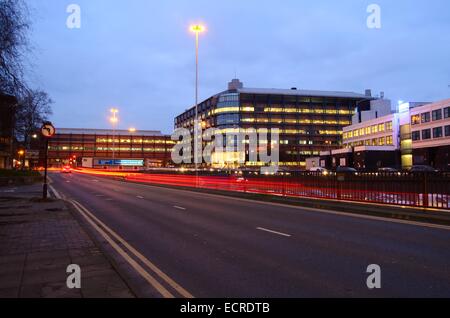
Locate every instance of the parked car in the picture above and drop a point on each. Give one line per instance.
(66, 169)
(422, 168)
(346, 169)
(387, 169)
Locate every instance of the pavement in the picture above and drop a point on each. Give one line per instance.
(39, 240)
(177, 243)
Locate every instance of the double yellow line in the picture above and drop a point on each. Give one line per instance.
(114, 240)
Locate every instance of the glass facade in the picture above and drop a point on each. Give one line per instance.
(307, 124)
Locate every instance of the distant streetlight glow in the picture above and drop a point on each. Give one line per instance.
(132, 130)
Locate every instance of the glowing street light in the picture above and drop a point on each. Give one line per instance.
(21, 154)
(197, 29)
(132, 130)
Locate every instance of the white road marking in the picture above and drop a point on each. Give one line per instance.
(95, 180)
(109, 199)
(273, 232)
(56, 193)
(139, 197)
(99, 226)
(179, 207)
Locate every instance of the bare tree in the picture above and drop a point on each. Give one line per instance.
(33, 109)
(14, 26)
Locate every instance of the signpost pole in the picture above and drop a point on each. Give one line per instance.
(47, 132)
(44, 192)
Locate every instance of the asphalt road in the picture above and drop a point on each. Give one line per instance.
(217, 246)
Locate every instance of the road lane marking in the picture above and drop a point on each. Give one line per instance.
(273, 232)
(109, 199)
(139, 197)
(179, 207)
(149, 278)
(136, 253)
(56, 193)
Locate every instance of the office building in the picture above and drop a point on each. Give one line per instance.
(110, 149)
(309, 121)
(430, 134)
(416, 134)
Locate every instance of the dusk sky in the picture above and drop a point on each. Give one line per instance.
(139, 55)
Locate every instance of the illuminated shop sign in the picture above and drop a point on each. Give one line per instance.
(121, 162)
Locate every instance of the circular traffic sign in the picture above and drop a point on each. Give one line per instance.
(48, 130)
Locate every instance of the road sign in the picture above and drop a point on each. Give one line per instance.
(48, 130)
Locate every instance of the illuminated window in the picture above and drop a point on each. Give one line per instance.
(382, 141)
(356, 133)
(389, 140)
(368, 131)
(361, 131)
(374, 129)
(226, 110)
(389, 126)
(381, 127)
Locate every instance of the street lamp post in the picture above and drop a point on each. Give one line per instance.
(114, 120)
(21, 154)
(197, 29)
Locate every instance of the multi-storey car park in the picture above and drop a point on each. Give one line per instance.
(110, 149)
(309, 121)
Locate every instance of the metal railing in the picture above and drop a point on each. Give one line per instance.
(422, 190)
